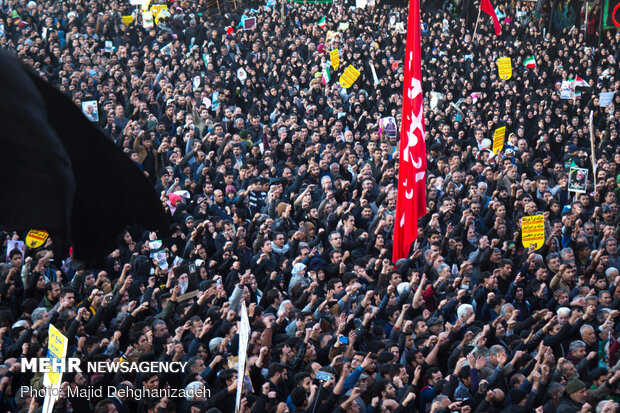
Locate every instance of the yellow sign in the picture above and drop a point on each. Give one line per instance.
(533, 231)
(127, 20)
(145, 5)
(36, 238)
(349, 77)
(57, 349)
(155, 9)
(160, 11)
(57, 343)
(504, 68)
(334, 57)
(498, 139)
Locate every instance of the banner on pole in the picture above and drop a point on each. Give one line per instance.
(57, 349)
(244, 339)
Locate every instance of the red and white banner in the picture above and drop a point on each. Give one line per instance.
(411, 200)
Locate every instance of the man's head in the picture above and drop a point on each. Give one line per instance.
(433, 375)
(576, 390)
(277, 373)
(578, 349)
(15, 258)
(335, 239)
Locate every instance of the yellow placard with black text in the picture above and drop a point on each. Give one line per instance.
(533, 231)
(504, 68)
(127, 20)
(498, 139)
(56, 349)
(334, 57)
(349, 77)
(35, 238)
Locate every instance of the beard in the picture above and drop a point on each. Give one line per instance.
(183, 286)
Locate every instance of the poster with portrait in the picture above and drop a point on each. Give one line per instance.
(388, 126)
(394, 18)
(578, 179)
(90, 110)
(15, 245)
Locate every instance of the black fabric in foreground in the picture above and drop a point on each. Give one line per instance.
(60, 173)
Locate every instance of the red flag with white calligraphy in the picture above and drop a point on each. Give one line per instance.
(411, 200)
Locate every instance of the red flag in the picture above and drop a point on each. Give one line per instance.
(411, 199)
(487, 7)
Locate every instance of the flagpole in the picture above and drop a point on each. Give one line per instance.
(592, 147)
(585, 28)
(477, 19)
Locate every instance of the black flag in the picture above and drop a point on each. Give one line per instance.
(62, 174)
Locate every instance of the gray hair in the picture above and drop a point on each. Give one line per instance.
(193, 389)
(563, 310)
(611, 271)
(38, 314)
(505, 308)
(591, 298)
(576, 345)
(442, 398)
(496, 349)
(584, 328)
(538, 257)
(282, 307)
(554, 387)
(603, 405)
(463, 310)
(442, 267)
(566, 251)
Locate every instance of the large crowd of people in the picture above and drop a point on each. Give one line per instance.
(282, 186)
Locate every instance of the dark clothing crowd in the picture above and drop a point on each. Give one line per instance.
(281, 187)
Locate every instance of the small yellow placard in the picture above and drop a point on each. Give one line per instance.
(349, 77)
(504, 68)
(127, 20)
(533, 231)
(56, 348)
(498, 139)
(334, 57)
(35, 238)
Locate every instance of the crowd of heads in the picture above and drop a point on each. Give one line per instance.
(282, 190)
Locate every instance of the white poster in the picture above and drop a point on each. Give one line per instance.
(11, 245)
(244, 339)
(90, 110)
(606, 98)
(147, 19)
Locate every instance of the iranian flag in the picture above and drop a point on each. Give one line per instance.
(530, 62)
(580, 82)
(326, 75)
(321, 23)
